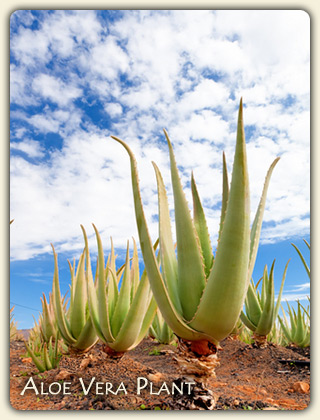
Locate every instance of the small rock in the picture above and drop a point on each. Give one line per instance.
(301, 387)
(26, 360)
(85, 362)
(155, 377)
(62, 375)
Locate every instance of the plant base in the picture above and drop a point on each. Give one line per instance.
(197, 359)
(260, 340)
(112, 353)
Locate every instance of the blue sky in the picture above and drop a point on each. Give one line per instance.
(78, 77)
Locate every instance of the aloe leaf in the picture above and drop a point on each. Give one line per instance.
(266, 320)
(103, 314)
(132, 323)
(167, 251)
(123, 302)
(92, 294)
(302, 258)
(247, 322)
(47, 319)
(191, 275)
(157, 283)
(88, 336)
(224, 294)
(147, 320)
(225, 193)
(135, 275)
(200, 224)
(61, 319)
(265, 284)
(39, 365)
(112, 291)
(257, 223)
(46, 359)
(253, 308)
(301, 331)
(78, 315)
(280, 292)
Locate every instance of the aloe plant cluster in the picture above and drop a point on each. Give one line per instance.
(185, 290)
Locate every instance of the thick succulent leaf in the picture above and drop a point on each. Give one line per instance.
(146, 321)
(157, 283)
(301, 330)
(200, 224)
(39, 364)
(91, 290)
(112, 291)
(285, 327)
(226, 288)
(46, 359)
(265, 286)
(88, 336)
(135, 275)
(167, 251)
(191, 275)
(123, 302)
(253, 308)
(131, 326)
(247, 322)
(78, 313)
(102, 298)
(257, 223)
(302, 258)
(266, 319)
(277, 307)
(225, 192)
(48, 321)
(60, 315)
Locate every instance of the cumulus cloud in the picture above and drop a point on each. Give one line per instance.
(84, 76)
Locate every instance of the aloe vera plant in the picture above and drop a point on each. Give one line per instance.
(201, 296)
(13, 325)
(50, 354)
(298, 331)
(74, 324)
(260, 309)
(121, 318)
(47, 321)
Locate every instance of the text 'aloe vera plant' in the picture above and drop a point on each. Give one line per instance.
(121, 315)
(260, 310)
(201, 296)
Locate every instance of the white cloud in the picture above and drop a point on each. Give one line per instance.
(31, 147)
(180, 70)
(113, 109)
(55, 89)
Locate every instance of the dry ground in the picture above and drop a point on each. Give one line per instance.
(248, 378)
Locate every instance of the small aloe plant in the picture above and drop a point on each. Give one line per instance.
(47, 321)
(13, 325)
(298, 331)
(50, 354)
(200, 295)
(121, 315)
(260, 309)
(160, 330)
(74, 324)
